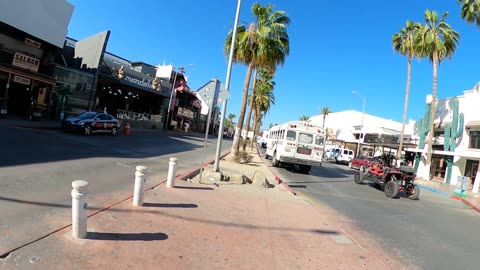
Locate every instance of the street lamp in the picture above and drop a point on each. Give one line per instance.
(182, 70)
(363, 113)
(227, 86)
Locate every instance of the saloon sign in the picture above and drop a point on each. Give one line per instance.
(26, 62)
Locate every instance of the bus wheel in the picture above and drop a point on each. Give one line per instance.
(275, 161)
(305, 169)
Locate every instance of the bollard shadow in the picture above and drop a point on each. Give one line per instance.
(126, 236)
(297, 186)
(171, 205)
(195, 188)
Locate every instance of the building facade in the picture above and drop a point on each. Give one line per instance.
(456, 140)
(28, 49)
(378, 136)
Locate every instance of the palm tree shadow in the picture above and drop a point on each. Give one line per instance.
(127, 236)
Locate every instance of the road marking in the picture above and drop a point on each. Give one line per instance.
(124, 165)
(341, 239)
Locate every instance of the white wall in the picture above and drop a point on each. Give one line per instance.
(45, 19)
(343, 122)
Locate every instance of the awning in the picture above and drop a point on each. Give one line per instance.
(29, 74)
(471, 124)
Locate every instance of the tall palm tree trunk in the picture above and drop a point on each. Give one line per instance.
(405, 107)
(432, 112)
(252, 101)
(238, 129)
(323, 124)
(256, 122)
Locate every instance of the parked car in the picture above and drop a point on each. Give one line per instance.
(91, 122)
(356, 162)
(330, 154)
(344, 156)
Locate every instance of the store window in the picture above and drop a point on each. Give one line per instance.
(474, 139)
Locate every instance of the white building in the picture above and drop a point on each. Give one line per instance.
(466, 154)
(345, 127)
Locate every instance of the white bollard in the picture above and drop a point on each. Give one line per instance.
(139, 187)
(79, 208)
(172, 171)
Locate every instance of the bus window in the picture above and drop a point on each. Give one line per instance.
(305, 138)
(319, 140)
(291, 135)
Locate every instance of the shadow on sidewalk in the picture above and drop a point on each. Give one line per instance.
(196, 188)
(171, 205)
(246, 226)
(127, 236)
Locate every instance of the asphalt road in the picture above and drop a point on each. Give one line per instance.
(37, 168)
(434, 232)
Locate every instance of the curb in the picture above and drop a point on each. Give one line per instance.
(443, 193)
(278, 179)
(195, 170)
(455, 197)
(471, 205)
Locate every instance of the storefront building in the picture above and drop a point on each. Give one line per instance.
(27, 53)
(377, 137)
(456, 140)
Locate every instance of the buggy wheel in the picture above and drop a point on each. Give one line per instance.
(391, 189)
(415, 193)
(358, 177)
(275, 161)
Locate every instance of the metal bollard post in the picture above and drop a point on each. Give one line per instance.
(139, 187)
(172, 171)
(79, 208)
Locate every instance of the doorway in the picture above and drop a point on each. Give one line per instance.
(471, 170)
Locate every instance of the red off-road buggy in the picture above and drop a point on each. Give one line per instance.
(392, 180)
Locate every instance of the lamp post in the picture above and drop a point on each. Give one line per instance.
(182, 70)
(227, 85)
(363, 113)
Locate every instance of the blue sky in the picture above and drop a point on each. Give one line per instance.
(336, 47)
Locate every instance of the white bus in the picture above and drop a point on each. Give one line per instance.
(297, 143)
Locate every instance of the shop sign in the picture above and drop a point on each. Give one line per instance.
(33, 43)
(26, 62)
(21, 80)
(185, 112)
(142, 82)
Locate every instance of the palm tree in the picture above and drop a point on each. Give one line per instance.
(470, 11)
(251, 102)
(437, 40)
(265, 43)
(404, 43)
(263, 98)
(303, 118)
(230, 117)
(325, 111)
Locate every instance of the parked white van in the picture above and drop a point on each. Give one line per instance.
(344, 156)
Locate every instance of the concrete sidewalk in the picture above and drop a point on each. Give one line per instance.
(196, 226)
(472, 199)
